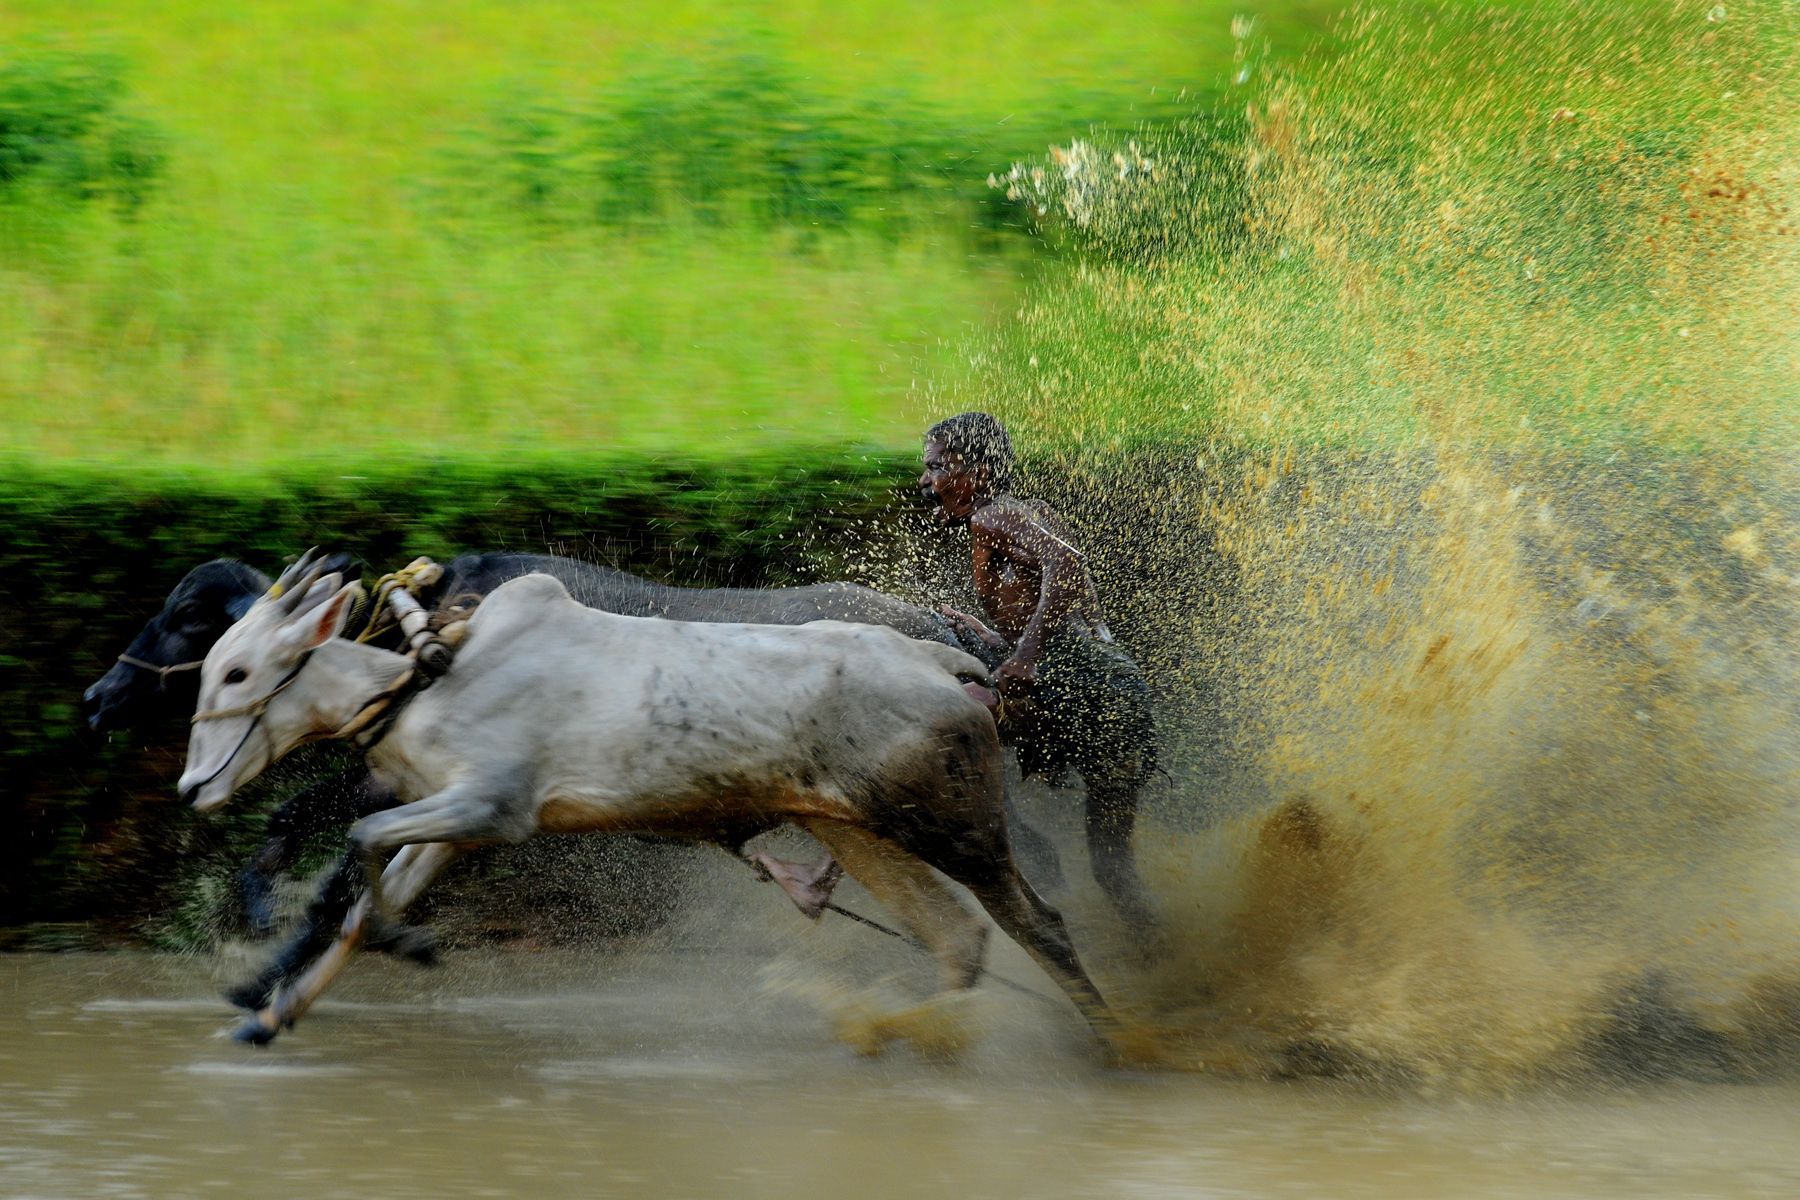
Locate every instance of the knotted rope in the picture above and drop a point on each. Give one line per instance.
(159, 670)
(395, 605)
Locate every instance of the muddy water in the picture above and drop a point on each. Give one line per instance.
(679, 1071)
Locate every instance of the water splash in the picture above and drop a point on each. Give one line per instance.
(871, 1018)
(1475, 344)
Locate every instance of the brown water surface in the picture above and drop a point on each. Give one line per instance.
(682, 1073)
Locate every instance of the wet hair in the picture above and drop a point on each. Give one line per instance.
(981, 441)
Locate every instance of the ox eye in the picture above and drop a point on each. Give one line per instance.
(236, 675)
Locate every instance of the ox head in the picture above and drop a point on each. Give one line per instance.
(139, 686)
(256, 702)
(158, 675)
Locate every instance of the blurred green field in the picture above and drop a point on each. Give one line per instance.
(308, 278)
(398, 229)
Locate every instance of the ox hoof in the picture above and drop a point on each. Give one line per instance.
(254, 1033)
(249, 996)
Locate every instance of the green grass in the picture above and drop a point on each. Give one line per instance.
(339, 98)
(180, 350)
(1404, 243)
(299, 286)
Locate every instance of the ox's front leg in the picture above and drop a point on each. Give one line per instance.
(331, 903)
(336, 801)
(406, 878)
(468, 812)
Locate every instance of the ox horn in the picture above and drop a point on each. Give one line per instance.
(291, 572)
(296, 580)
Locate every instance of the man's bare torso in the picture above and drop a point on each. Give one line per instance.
(1009, 575)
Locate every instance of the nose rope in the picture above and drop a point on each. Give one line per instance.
(254, 710)
(229, 758)
(256, 707)
(161, 672)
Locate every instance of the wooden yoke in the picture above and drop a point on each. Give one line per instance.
(431, 649)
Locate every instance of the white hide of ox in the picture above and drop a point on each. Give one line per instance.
(559, 718)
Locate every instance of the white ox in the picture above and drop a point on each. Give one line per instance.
(557, 718)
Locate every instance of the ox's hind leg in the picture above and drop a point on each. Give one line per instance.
(1023, 915)
(906, 887)
(903, 882)
(405, 879)
(974, 850)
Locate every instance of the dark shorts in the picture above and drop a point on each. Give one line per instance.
(1090, 711)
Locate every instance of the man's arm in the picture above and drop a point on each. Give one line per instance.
(1062, 579)
(975, 626)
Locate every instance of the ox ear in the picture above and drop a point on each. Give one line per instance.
(324, 610)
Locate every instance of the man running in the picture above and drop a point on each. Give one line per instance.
(1070, 697)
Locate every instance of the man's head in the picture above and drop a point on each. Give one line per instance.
(968, 461)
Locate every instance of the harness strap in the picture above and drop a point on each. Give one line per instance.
(255, 708)
(373, 720)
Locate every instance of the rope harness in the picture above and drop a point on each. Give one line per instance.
(255, 710)
(429, 655)
(161, 672)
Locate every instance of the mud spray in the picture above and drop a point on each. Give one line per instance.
(1429, 409)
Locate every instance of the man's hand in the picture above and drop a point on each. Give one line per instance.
(963, 620)
(1015, 678)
